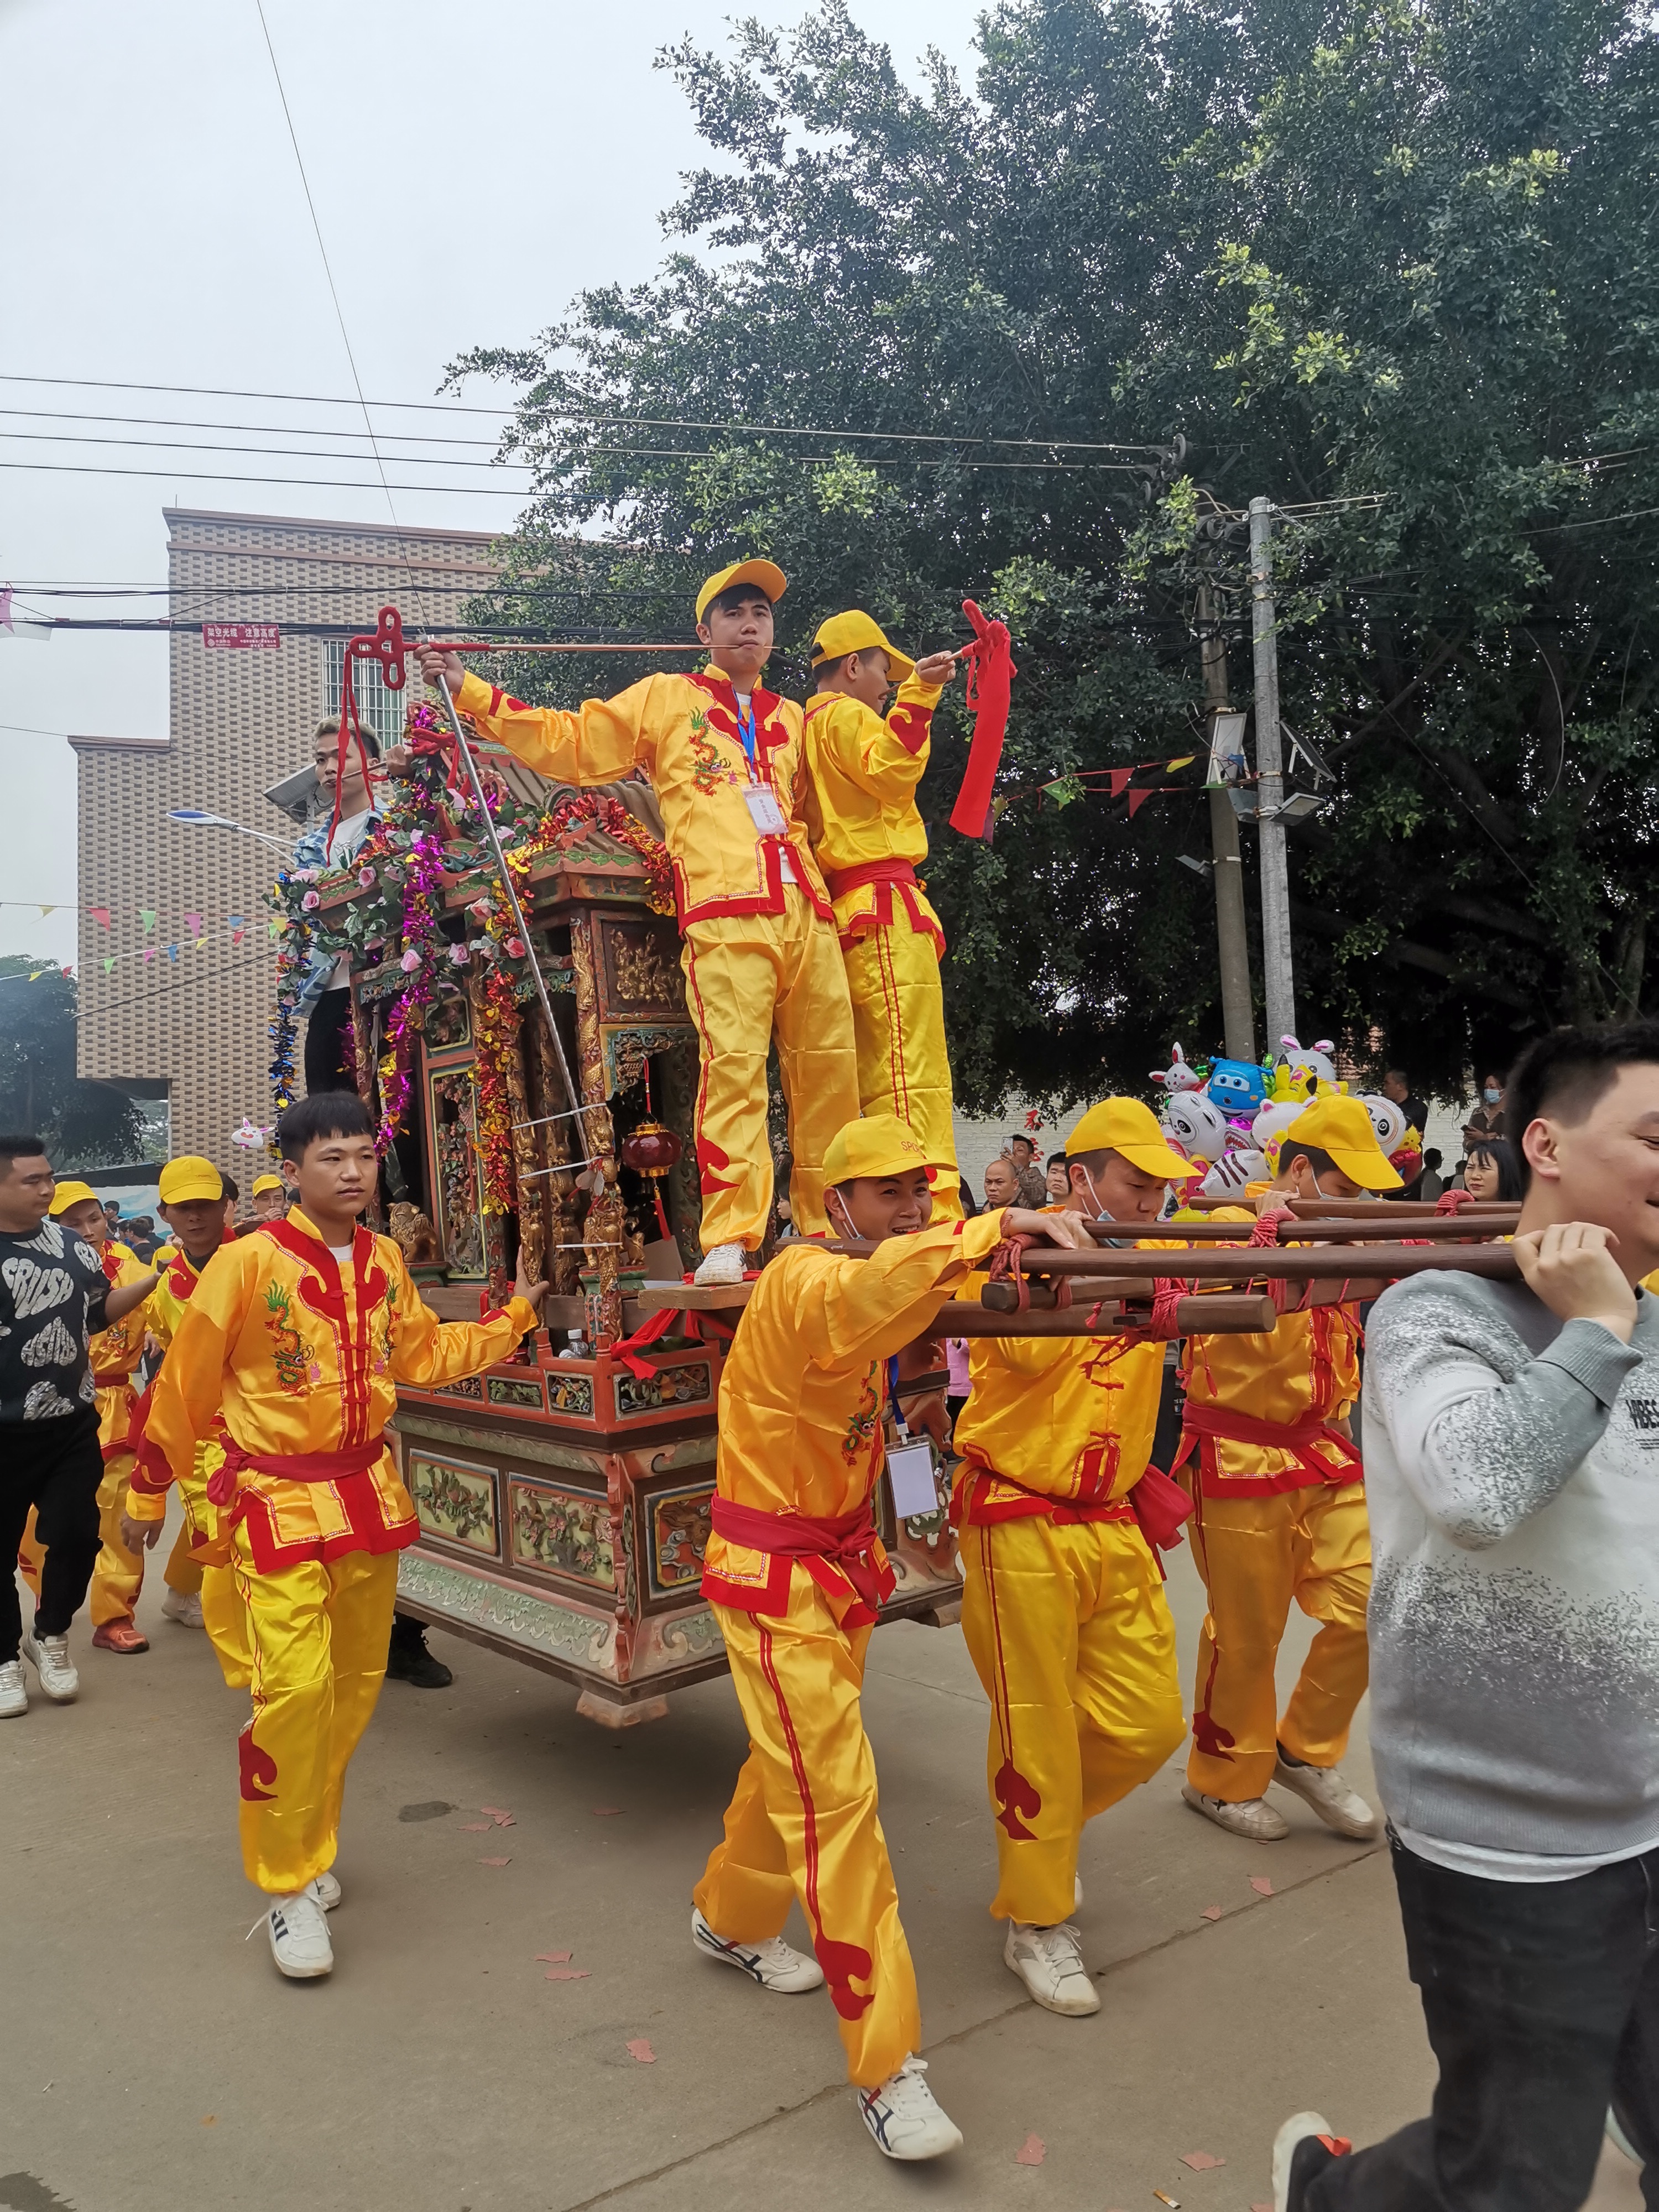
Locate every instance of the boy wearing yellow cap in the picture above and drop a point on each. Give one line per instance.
(291, 1345)
(201, 1593)
(1063, 1605)
(270, 1197)
(115, 1353)
(866, 763)
(796, 1574)
(1279, 1515)
(727, 760)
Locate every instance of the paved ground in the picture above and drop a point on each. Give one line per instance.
(150, 2059)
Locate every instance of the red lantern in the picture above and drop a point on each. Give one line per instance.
(652, 1150)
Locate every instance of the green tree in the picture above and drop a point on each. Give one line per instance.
(1393, 265)
(82, 1124)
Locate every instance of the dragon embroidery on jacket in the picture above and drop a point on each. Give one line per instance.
(710, 771)
(861, 1429)
(291, 1354)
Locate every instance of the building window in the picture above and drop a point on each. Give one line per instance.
(381, 711)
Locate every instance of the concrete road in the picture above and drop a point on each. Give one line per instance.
(150, 2058)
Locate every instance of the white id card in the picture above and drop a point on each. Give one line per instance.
(764, 810)
(910, 1472)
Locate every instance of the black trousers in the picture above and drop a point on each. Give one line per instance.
(55, 1467)
(330, 1052)
(1542, 2001)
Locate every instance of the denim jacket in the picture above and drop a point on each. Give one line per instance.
(311, 851)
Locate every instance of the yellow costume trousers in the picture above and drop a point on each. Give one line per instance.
(1256, 1554)
(898, 1025)
(803, 1823)
(319, 1632)
(747, 976)
(224, 1613)
(1070, 1633)
(183, 1572)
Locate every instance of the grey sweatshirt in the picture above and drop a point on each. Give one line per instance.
(1512, 1475)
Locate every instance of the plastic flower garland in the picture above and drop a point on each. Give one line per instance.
(423, 954)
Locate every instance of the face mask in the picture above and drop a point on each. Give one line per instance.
(1490, 1095)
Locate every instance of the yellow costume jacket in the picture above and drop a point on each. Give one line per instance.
(302, 1353)
(801, 1404)
(861, 806)
(1061, 1427)
(162, 1311)
(1260, 1408)
(683, 731)
(116, 1351)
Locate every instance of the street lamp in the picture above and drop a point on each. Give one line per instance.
(199, 819)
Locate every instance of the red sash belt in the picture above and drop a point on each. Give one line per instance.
(292, 1466)
(847, 1540)
(869, 872)
(1297, 1438)
(1154, 1504)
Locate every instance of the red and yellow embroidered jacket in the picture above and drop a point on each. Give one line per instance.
(683, 731)
(1304, 1375)
(116, 1351)
(803, 1393)
(861, 805)
(302, 1353)
(1069, 1419)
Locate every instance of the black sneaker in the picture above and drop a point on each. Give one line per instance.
(409, 1661)
(1302, 2148)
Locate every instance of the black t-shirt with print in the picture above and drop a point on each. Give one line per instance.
(52, 1290)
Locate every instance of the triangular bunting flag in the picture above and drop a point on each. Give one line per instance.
(193, 923)
(1186, 761)
(100, 915)
(1119, 777)
(237, 935)
(108, 964)
(150, 954)
(48, 909)
(173, 952)
(147, 915)
(1138, 799)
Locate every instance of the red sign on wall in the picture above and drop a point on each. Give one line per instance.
(224, 636)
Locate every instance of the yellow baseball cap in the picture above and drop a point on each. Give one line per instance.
(857, 632)
(188, 1177)
(1124, 1125)
(1340, 1126)
(877, 1145)
(268, 1182)
(72, 1194)
(767, 574)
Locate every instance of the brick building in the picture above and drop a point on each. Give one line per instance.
(191, 1025)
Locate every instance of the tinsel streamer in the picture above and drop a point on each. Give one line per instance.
(496, 1013)
(293, 948)
(423, 951)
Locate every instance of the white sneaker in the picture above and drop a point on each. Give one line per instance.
(1253, 1818)
(48, 1656)
(774, 1964)
(13, 1698)
(722, 1265)
(1304, 2128)
(325, 1888)
(1077, 1892)
(904, 2116)
(1337, 1804)
(299, 1937)
(187, 1611)
(1050, 1962)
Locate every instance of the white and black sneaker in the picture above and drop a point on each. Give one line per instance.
(1302, 2148)
(325, 1888)
(298, 1936)
(1050, 1962)
(774, 1964)
(904, 2118)
(13, 1696)
(48, 1656)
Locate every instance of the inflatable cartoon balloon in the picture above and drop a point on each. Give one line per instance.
(1197, 1128)
(1179, 1075)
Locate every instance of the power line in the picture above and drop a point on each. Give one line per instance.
(183, 983)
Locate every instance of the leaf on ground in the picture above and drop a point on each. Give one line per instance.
(1202, 2161)
(475, 1828)
(210, 2120)
(553, 1958)
(1031, 2152)
(504, 1821)
(1261, 2208)
(566, 1974)
(494, 1861)
(495, 1812)
(639, 2049)
(1211, 1912)
(1261, 1884)
(605, 1812)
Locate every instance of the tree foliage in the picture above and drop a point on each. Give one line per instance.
(1393, 265)
(82, 1124)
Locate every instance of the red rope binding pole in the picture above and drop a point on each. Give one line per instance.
(990, 673)
(385, 643)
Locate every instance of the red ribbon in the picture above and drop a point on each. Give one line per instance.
(990, 673)
(648, 1333)
(847, 1540)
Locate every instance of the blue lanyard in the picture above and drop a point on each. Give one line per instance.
(893, 1397)
(746, 728)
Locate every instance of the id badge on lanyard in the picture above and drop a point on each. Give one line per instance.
(759, 798)
(910, 1462)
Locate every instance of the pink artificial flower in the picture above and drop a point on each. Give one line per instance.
(459, 954)
(366, 877)
(411, 960)
(310, 901)
(515, 947)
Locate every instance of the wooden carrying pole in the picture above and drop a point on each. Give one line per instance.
(1472, 1228)
(1094, 1312)
(1296, 1264)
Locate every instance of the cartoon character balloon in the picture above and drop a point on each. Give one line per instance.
(1236, 1087)
(1196, 1128)
(1179, 1075)
(1310, 1068)
(1386, 1119)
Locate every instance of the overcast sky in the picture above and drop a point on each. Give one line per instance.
(157, 233)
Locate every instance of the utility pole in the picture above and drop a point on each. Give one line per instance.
(1238, 1021)
(1276, 976)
